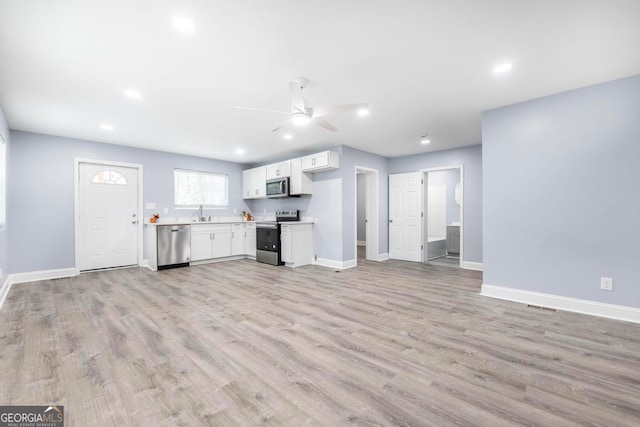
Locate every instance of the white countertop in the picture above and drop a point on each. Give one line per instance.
(222, 220)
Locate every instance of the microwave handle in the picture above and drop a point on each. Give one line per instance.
(282, 187)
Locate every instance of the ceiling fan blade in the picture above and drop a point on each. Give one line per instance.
(261, 109)
(297, 101)
(281, 125)
(323, 110)
(324, 124)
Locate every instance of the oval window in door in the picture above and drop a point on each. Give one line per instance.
(109, 177)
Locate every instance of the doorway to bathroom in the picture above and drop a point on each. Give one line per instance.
(443, 221)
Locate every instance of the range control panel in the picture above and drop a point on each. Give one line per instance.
(288, 215)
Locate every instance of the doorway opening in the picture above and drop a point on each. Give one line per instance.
(366, 224)
(108, 210)
(443, 223)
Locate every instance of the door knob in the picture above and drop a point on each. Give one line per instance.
(134, 215)
(134, 222)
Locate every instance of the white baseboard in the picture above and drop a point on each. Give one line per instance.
(147, 264)
(4, 290)
(469, 265)
(383, 257)
(340, 265)
(362, 243)
(593, 308)
(33, 276)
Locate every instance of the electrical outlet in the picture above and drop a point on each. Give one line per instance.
(235, 211)
(606, 283)
(165, 210)
(150, 205)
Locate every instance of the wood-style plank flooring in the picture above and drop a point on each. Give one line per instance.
(244, 343)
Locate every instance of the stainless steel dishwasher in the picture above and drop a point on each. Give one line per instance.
(174, 246)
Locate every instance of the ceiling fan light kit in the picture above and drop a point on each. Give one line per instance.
(300, 119)
(302, 114)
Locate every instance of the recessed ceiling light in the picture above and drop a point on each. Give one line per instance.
(105, 126)
(239, 151)
(424, 139)
(300, 119)
(502, 68)
(183, 24)
(132, 93)
(287, 136)
(363, 112)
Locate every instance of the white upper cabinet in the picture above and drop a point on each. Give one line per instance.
(254, 183)
(320, 162)
(279, 170)
(300, 182)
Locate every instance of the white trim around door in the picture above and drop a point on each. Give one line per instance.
(424, 175)
(372, 216)
(76, 205)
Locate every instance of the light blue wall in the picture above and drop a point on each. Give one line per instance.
(351, 158)
(561, 198)
(471, 158)
(41, 194)
(4, 156)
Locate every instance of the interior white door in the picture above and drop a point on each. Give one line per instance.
(405, 224)
(107, 202)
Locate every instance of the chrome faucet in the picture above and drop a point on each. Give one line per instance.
(200, 217)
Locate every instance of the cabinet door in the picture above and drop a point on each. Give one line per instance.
(273, 171)
(319, 162)
(300, 182)
(286, 251)
(237, 239)
(453, 239)
(259, 182)
(246, 184)
(200, 244)
(308, 162)
(221, 242)
(250, 240)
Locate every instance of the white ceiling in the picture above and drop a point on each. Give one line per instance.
(422, 65)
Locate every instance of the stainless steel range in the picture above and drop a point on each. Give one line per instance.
(268, 237)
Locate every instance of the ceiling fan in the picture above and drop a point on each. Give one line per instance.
(302, 114)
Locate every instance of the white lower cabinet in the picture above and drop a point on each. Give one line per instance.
(296, 244)
(250, 239)
(210, 241)
(237, 239)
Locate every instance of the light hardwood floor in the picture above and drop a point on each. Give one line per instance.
(243, 343)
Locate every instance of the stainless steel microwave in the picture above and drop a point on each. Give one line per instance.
(278, 187)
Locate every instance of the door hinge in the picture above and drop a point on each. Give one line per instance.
(422, 214)
(422, 247)
(422, 181)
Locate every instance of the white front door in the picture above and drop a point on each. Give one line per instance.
(405, 223)
(107, 207)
